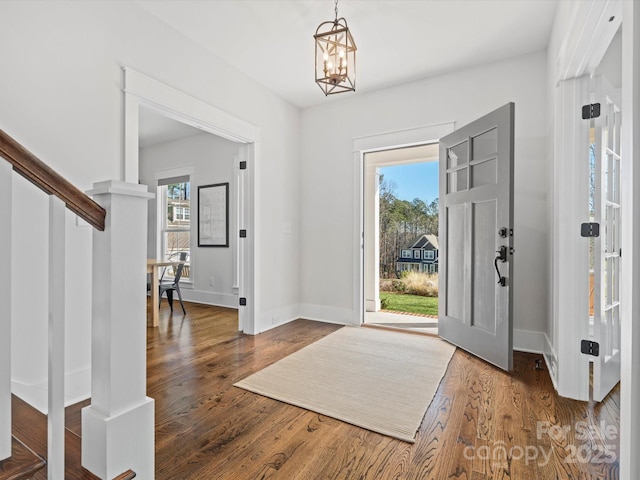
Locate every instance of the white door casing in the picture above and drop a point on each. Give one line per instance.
(476, 222)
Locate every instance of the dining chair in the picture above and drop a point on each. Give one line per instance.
(169, 288)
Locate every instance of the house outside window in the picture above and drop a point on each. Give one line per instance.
(406, 253)
(174, 197)
(416, 254)
(429, 255)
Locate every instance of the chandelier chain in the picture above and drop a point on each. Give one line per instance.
(336, 10)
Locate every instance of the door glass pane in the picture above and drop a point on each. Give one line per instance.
(485, 145)
(615, 277)
(455, 266)
(615, 233)
(484, 173)
(458, 155)
(615, 194)
(605, 177)
(457, 181)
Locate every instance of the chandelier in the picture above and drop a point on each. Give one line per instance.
(335, 56)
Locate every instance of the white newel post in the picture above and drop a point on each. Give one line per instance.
(6, 172)
(118, 426)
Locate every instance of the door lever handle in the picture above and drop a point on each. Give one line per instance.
(502, 256)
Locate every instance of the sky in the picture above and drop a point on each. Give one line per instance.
(413, 180)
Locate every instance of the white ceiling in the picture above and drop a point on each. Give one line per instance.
(398, 41)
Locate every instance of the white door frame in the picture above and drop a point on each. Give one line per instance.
(582, 54)
(371, 204)
(630, 282)
(374, 143)
(583, 49)
(140, 89)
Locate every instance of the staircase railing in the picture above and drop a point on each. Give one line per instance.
(62, 194)
(42, 176)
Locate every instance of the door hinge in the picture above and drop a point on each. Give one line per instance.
(243, 234)
(590, 348)
(590, 111)
(243, 165)
(590, 230)
(243, 301)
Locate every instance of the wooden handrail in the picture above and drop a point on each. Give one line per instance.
(44, 177)
(129, 474)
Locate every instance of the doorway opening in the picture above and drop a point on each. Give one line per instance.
(401, 238)
(141, 90)
(176, 160)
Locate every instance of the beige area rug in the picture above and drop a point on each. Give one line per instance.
(375, 379)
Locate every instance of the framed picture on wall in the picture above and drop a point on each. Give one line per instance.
(213, 215)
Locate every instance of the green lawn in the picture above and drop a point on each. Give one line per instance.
(401, 302)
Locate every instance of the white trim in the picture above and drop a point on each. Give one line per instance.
(630, 269)
(278, 316)
(6, 215)
(551, 359)
(238, 180)
(226, 300)
(187, 109)
(140, 89)
(77, 388)
(56, 336)
(570, 268)
(323, 313)
(588, 38)
(402, 138)
(174, 172)
(528, 341)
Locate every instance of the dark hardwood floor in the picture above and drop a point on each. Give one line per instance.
(482, 424)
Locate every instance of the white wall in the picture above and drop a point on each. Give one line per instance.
(61, 97)
(211, 158)
(327, 201)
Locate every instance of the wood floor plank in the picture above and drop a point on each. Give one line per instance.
(208, 429)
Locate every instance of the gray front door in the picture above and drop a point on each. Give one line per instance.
(476, 236)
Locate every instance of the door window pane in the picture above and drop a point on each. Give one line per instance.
(485, 145)
(484, 173)
(458, 155)
(457, 181)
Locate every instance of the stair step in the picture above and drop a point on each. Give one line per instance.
(23, 463)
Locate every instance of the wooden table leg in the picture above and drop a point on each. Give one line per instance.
(155, 313)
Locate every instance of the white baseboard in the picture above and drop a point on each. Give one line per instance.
(77, 387)
(227, 300)
(529, 341)
(321, 313)
(276, 317)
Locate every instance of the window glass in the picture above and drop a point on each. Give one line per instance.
(175, 228)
